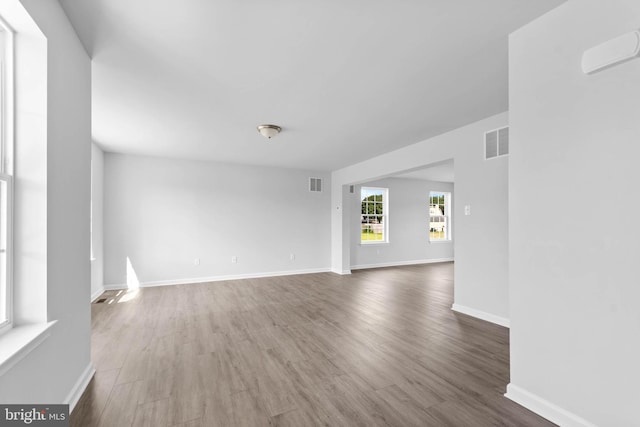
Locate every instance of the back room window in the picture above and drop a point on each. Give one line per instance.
(374, 218)
(439, 216)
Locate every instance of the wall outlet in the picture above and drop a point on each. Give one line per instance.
(234, 259)
(196, 261)
(467, 210)
(292, 257)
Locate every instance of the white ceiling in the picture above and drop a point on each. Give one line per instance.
(347, 80)
(442, 172)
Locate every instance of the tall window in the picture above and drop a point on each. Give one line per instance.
(439, 224)
(6, 178)
(374, 215)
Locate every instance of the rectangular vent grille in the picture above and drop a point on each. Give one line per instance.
(491, 144)
(503, 142)
(496, 143)
(352, 189)
(100, 301)
(315, 185)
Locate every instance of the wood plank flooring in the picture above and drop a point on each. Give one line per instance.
(377, 348)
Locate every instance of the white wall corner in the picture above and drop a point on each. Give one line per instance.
(482, 315)
(544, 408)
(97, 293)
(79, 387)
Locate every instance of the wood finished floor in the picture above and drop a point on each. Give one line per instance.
(377, 348)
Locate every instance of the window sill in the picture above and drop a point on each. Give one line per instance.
(374, 244)
(440, 241)
(19, 341)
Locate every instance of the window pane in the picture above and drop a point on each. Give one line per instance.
(372, 209)
(438, 221)
(364, 232)
(369, 228)
(377, 228)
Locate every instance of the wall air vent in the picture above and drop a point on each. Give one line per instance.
(496, 143)
(352, 189)
(315, 185)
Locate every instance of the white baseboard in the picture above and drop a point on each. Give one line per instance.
(219, 278)
(400, 263)
(483, 315)
(96, 294)
(341, 272)
(544, 408)
(79, 387)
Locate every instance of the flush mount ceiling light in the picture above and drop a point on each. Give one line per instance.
(269, 131)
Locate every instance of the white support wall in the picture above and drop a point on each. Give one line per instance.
(97, 221)
(52, 189)
(575, 293)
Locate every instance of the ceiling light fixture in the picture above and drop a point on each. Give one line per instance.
(269, 131)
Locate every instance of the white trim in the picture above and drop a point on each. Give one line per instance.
(544, 408)
(79, 387)
(342, 273)
(401, 263)
(7, 322)
(96, 294)
(7, 116)
(482, 315)
(219, 278)
(116, 287)
(18, 342)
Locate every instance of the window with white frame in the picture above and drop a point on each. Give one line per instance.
(374, 217)
(6, 176)
(439, 216)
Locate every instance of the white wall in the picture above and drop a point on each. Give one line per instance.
(408, 226)
(575, 317)
(97, 235)
(163, 214)
(481, 266)
(52, 175)
(482, 238)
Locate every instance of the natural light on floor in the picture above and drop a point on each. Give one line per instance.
(133, 284)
